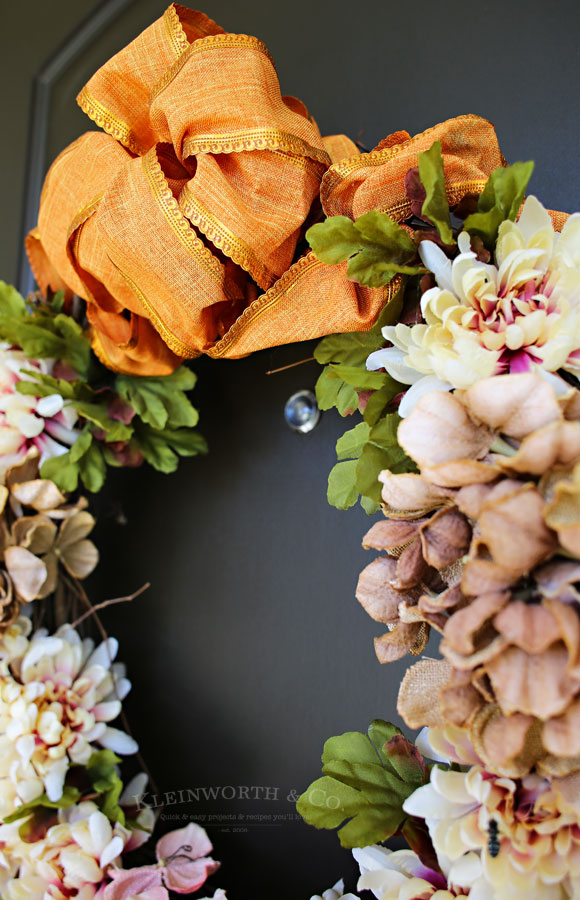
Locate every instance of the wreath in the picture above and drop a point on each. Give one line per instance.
(448, 303)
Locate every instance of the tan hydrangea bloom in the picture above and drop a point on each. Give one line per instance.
(502, 457)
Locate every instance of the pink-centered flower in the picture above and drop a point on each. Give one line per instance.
(519, 314)
(57, 695)
(28, 421)
(183, 865)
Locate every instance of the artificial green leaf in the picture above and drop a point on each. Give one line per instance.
(44, 385)
(361, 378)
(342, 489)
(351, 444)
(57, 302)
(376, 247)
(334, 240)
(435, 206)
(346, 399)
(500, 200)
(369, 506)
(351, 349)
(69, 797)
(97, 414)
(160, 400)
(390, 314)
(76, 347)
(379, 400)
(65, 470)
(93, 468)
(12, 303)
(360, 784)
(162, 448)
(102, 769)
(381, 451)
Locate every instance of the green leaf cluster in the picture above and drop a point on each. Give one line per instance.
(362, 453)
(43, 331)
(370, 446)
(366, 780)
(500, 200)
(161, 429)
(376, 247)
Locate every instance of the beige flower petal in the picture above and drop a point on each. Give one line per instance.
(508, 745)
(50, 582)
(375, 592)
(28, 572)
(405, 638)
(26, 470)
(36, 533)
(532, 628)
(480, 657)
(514, 530)
(515, 405)
(470, 629)
(450, 599)
(439, 430)
(418, 700)
(556, 579)
(409, 496)
(556, 444)
(392, 535)
(566, 616)
(536, 684)
(470, 499)
(411, 567)
(445, 537)
(568, 791)
(457, 473)
(41, 494)
(562, 735)
(4, 494)
(414, 614)
(570, 404)
(80, 559)
(459, 700)
(75, 529)
(483, 576)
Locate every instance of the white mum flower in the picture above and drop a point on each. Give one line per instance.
(26, 421)
(521, 314)
(57, 694)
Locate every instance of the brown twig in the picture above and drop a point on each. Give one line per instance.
(290, 365)
(78, 589)
(112, 602)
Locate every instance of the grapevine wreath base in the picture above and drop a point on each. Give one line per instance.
(448, 304)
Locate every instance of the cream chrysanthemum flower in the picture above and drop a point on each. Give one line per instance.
(400, 875)
(57, 694)
(72, 861)
(518, 315)
(26, 421)
(538, 831)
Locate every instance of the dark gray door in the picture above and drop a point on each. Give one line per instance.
(249, 649)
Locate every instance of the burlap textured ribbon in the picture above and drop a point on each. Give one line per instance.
(180, 224)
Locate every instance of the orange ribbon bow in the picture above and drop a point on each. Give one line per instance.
(179, 225)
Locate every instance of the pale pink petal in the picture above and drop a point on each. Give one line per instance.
(129, 882)
(192, 836)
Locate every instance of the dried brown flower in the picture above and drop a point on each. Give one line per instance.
(39, 531)
(503, 455)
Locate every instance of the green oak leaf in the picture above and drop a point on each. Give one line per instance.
(163, 447)
(435, 206)
(500, 200)
(160, 401)
(376, 247)
(363, 788)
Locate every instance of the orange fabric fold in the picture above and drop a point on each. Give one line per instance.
(182, 222)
